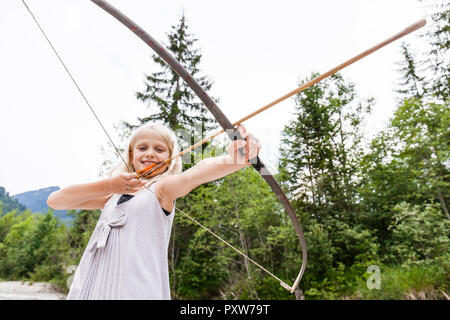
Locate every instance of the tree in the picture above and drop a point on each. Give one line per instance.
(427, 75)
(8, 204)
(48, 247)
(414, 165)
(320, 164)
(412, 85)
(34, 247)
(409, 161)
(439, 40)
(241, 209)
(172, 102)
(422, 129)
(16, 259)
(322, 146)
(420, 235)
(79, 234)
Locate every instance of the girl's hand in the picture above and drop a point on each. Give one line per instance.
(125, 183)
(251, 146)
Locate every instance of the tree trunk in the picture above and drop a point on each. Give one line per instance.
(443, 204)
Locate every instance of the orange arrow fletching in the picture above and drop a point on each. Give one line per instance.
(152, 168)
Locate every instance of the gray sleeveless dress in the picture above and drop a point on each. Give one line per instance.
(126, 257)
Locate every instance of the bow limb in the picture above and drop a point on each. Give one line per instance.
(221, 118)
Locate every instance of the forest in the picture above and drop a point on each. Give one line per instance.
(375, 213)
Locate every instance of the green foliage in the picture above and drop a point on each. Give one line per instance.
(49, 250)
(386, 204)
(250, 223)
(320, 252)
(40, 247)
(322, 146)
(8, 204)
(426, 74)
(352, 245)
(420, 235)
(425, 281)
(33, 248)
(408, 161)
(8, 220)
(80, 233)
(15, 256)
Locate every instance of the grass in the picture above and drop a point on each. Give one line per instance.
(425, 282)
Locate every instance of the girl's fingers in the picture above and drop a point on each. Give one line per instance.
(250, 141)
(137, 182)
(251, 146)
(130, 183)
(134, 182)
(132, 175)
(133, 188)
(239, 144)
(254, 146)
(242, 130)
(128, 176)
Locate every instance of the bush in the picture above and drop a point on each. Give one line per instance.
(419, 235)
(399, 282)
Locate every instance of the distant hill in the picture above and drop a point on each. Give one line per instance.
(36, 201)
(8, 204)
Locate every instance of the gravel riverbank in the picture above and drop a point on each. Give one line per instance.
(18, 290)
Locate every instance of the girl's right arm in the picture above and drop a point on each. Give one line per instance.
(93, 195)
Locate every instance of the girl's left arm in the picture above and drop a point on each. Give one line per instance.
(172, 187)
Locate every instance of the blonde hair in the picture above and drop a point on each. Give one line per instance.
(170, 140)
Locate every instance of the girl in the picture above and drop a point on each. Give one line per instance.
(126, 257)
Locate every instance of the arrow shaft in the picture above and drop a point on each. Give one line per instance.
(408, 30)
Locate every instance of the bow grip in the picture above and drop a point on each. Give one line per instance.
(256, 161)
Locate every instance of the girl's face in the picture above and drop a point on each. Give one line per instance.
(149, 148)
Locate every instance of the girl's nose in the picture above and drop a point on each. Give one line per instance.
(151, 154)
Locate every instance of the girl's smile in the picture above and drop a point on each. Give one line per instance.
(149, 148)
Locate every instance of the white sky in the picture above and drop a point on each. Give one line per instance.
(254, 51)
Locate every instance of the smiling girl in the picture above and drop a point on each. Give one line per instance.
(126, 257)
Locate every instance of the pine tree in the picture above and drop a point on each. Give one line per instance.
(429, 76)
(170, 100)
(321, 145)
(439, 40)
(412, 83)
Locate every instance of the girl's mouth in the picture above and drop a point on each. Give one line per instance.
(148, 163)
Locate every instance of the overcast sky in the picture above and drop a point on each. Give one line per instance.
(254, 51)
